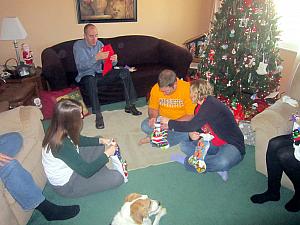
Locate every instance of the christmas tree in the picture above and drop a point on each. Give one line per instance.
(242, 56)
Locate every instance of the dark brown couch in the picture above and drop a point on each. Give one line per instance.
(149, 55)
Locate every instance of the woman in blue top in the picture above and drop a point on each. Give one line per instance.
(213, 117)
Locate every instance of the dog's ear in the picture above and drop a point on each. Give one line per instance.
(140, 210)
(132, 196)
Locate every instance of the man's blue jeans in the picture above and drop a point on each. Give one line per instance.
(16, 179)
(20, 185)
(218, 158)
(174, 137)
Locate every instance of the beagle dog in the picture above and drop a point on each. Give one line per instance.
(137, 210)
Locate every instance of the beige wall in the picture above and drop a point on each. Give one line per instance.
(54, 21)
(289, 66)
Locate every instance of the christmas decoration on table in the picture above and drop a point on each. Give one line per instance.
(38, 103)
(27, 54)
(118, 162)
(243, 38)
(197, 159)
(159, 136)
(296, 135)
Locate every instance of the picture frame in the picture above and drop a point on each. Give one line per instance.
(106, 11)
(197, 46)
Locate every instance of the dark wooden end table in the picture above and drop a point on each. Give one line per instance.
(21, 91)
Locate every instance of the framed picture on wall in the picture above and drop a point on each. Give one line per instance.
(106, 11)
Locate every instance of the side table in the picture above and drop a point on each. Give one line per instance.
(35, 78)
(17, 94)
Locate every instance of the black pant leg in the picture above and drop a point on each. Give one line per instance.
(291, 166)
(124, 75)
(89, 83)
(274, 165)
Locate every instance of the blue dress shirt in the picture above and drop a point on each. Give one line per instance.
(84, 55)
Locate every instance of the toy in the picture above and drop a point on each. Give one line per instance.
(119, 163)
(27, 54)
(107, 62)
(159, 136)
(296, 135)
(197, 159)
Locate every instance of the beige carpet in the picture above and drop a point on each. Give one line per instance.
(125, 128)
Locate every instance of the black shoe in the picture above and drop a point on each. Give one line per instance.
(131, 109)
(99, 121)
(293, 205)
(265, 197)
(52, 211)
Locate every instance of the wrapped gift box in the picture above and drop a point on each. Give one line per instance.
(249, 134)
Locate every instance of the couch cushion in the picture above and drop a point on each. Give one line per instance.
(146, 72)
(134, 50)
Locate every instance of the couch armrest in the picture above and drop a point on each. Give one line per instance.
(53, 70)
(6, 214)
(176, 57)
(272, 122)
(275, 119)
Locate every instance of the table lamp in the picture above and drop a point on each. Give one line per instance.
(12, 29)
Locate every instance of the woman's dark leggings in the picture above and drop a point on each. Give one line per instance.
(280, 158)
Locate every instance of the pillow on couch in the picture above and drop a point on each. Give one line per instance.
(49, 99)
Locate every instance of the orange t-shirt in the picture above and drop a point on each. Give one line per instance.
(175, 105)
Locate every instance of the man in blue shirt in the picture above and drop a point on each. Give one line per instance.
(89, 59)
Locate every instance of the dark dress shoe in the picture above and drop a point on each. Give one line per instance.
(131, 109)
(99, 122)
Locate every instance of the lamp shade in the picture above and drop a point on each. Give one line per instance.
(12, 29)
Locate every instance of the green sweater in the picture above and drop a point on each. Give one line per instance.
(68, 153)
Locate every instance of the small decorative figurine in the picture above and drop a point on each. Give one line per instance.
(27, 54)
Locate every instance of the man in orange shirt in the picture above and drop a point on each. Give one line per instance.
(170, 98)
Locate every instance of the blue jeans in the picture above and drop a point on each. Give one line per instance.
(10, 143)
(20, 185)
(218, 158)
(174, 137)
(16, 179)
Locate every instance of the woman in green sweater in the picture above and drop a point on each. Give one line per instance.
(74, 164)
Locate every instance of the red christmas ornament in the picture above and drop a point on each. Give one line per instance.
(247, 30)
(248, 3)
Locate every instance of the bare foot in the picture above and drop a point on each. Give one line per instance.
(144, 140)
